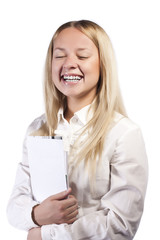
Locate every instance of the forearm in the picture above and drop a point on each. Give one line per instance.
(92, 226)
(21, 202)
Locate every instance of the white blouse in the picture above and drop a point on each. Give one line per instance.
(114, 210)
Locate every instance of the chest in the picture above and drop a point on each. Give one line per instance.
(89, 191)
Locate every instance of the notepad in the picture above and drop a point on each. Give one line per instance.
(48, 166)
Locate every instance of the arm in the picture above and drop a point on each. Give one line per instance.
(21, 200)
(121, 208)
(21, 203)
(65, 211)
(54, 209)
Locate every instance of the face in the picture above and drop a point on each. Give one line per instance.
(75, 65)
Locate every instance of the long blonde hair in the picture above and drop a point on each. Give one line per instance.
(108, 98)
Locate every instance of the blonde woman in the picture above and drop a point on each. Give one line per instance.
(107, 159)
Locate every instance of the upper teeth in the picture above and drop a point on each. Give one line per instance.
(72, 77)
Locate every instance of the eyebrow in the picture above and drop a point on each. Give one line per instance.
(82, 49)
(58, 48)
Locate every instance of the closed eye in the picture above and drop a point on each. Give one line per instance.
(59, 56)
(82, 57)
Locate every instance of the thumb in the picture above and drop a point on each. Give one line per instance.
(61, 195)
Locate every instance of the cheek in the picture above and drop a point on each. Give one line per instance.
(54, 69)
(55, 72)
(95, 69)
(97, 66)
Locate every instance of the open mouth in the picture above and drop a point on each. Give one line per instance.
(71, 78)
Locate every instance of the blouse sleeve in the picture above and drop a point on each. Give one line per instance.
(121, 207)
(21, 200)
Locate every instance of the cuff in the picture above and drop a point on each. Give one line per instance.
(28, 216)
(46, 232)
(56, 232)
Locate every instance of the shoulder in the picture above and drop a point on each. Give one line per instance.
(125, 141)
(123, 126)
(124, 122)
(36, 125)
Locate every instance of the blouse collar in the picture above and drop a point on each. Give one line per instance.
(83, 115)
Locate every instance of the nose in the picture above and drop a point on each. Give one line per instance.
(70, 63)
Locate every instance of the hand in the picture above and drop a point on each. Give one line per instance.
(34, 234)
(57, 209)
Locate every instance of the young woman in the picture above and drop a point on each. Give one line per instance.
(107, 163)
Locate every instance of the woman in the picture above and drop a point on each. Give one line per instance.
(107, 158)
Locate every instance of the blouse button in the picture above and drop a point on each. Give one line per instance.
(74, 120)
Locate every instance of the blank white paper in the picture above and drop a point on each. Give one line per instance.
(47, 162)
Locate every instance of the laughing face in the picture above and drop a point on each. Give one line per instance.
(75, 65)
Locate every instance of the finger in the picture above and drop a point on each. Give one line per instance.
(71, 220)
(72, 214)
(71, 196)
(61, 195)
(69, 202)
(71, 209)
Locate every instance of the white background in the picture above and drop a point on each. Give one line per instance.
(26, 28)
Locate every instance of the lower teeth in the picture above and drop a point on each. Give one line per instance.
(67, 80)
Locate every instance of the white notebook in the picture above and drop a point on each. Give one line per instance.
(48, 166)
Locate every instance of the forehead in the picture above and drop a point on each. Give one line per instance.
(73, 38)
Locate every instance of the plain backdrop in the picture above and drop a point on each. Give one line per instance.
(26, 28)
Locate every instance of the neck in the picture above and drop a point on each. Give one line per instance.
(74, 105)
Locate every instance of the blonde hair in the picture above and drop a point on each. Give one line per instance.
(108, 98)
